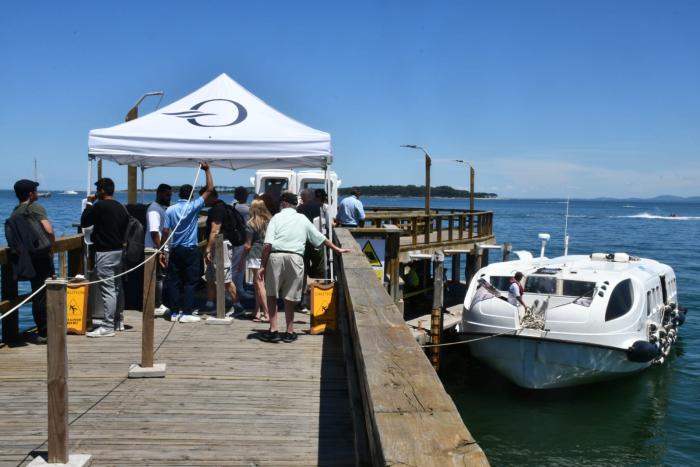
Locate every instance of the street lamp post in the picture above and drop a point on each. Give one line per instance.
(133, 114)
(427, 174)
(471, 183)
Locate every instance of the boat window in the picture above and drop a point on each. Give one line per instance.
(578, 288)
(649, 306)
(500, 282)
(539, 284)
(620, 300)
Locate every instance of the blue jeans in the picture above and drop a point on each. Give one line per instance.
(183, 272)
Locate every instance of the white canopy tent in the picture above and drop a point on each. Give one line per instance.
(221, 122)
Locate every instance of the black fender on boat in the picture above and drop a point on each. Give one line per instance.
(642, 352)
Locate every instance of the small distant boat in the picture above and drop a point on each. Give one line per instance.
(70, 192)
(40, 194)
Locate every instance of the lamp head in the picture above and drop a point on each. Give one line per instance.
(412, 146)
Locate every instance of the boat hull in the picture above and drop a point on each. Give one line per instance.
(537, 363)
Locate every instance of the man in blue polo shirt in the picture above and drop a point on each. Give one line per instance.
(351, 213)
(185, 258)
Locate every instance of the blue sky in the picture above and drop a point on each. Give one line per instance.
(544, 98)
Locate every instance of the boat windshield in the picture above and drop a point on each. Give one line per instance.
(541, 284)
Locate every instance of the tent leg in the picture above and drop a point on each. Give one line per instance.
(329, 223)
(89, 178)
(143, 170)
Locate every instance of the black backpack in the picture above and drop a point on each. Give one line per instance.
(24, 231)
(133, 240)
(233, 226)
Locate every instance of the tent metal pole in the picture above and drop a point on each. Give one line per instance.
(329, 222)
(89, 177)
(143, 170)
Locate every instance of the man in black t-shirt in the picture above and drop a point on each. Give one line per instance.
(110, 219)
(217, 222)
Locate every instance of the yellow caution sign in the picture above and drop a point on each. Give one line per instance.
(76, 308)
(323, 307)
(371, 254)
(375, 258)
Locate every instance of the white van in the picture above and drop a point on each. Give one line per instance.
(277, 181)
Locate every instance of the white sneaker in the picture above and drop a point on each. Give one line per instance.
(161, 310)
(102, 331)
(189, 319)
(120, 326)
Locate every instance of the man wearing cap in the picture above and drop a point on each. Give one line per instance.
(282, 263)
(26, 193)
(185, 259)
(110, 219)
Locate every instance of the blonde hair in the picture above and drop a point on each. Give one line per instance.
(259, 216)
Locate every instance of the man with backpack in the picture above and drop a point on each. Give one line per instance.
(110, 220)
(224, 219)
(30, 237)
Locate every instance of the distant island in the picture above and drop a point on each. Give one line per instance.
(442, 191)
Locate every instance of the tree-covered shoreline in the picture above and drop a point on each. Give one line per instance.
(442, 191)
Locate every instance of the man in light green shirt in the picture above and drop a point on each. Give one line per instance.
(282, 263)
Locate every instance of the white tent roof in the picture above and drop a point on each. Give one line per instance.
(222, 123)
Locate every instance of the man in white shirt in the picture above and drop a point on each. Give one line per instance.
(155, 217)
(515, 291)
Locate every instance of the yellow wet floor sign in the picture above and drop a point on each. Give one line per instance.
(323, 307)
(76, 308)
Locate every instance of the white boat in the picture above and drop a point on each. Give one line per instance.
(591, 318)
(69, 192)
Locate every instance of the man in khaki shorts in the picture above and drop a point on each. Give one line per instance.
(282, 263)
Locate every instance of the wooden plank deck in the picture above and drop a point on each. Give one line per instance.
(227, 399)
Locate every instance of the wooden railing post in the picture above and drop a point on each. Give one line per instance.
(148, 369)
(438, 225)
(471, 225)
(462, 225)
(392, 256)
(436, 313)
(149, 304)
(414, 231)
(450, 227)
(10, 291)
(57, 370)
(428, 222)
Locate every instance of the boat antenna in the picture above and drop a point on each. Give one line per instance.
(566, 228)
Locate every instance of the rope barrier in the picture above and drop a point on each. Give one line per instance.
(471, 340)
(81, 284)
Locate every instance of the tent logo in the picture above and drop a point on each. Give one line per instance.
(196, 112)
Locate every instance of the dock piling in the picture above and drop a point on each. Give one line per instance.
(436, 314)
(220, 284)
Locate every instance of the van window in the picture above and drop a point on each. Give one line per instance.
(539, 284)
(313, 185)
(620, 301)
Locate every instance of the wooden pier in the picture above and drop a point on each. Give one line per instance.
(366, 395)
(227, 399)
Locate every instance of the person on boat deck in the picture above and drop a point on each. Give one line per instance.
(185, 258)
(515, 291)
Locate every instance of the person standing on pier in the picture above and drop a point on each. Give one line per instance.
(185, 259)
(110, 219)
(27, 266)
(351, 212)
(222, 219)
(282, 263)
(155, 218)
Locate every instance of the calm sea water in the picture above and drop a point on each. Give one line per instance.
(648, 419)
